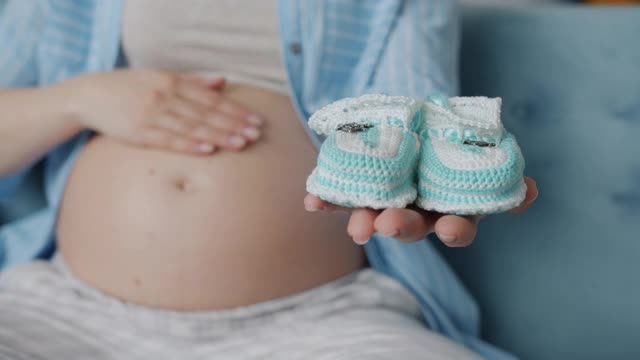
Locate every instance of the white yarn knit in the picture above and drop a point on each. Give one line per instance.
(371, 106)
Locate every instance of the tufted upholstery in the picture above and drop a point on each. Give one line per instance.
(561, 281)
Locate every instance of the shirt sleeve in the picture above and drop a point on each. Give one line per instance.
(21, 26)
(421, 52)
(421, 58)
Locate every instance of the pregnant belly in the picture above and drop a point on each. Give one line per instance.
(195, 233)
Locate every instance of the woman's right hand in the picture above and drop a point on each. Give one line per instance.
(161, 110)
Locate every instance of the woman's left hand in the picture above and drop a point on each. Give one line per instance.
(413, 224)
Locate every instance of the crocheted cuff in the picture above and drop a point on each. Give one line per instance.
(466, 119)
(366, 109)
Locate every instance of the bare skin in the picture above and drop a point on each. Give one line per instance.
(145, 108)
(414, 224)
(184, 232)
(188, 198)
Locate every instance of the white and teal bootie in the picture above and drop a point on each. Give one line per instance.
(371, 151)
(469, 164)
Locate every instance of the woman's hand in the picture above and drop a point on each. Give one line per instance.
(161, 110)
(413, 224)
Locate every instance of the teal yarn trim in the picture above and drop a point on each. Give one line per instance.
(353, 178)
(362, 189)
(372, 178)
(352, 160)
(371, 136)
(455, 135)
(513, 167)
(468, 200)
(417, 122)
(362, 176)
(425, 182)
(489, 183)
(405, 197)
(439, 99)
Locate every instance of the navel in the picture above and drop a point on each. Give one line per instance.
(183, 184)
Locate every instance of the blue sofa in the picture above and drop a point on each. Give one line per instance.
(561, 281)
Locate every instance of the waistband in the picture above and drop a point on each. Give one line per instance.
(54, 282)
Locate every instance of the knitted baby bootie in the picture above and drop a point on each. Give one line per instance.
(469, 164)
(371, 152)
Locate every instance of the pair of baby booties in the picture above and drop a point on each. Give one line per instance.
(450, 155)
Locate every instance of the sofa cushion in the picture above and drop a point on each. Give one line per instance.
(561, 281)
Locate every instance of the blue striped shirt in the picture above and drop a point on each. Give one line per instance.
(349, 48)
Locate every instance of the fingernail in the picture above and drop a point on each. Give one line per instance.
(254, 119)
(535, 197)
(251, 132)
(447, 238)
(360, 241)
(206, 148)
(236, 141)
(357, 239)
(311, 209)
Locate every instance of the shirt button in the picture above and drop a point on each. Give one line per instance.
(295, 48)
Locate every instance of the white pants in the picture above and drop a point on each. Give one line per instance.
(46, 313)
